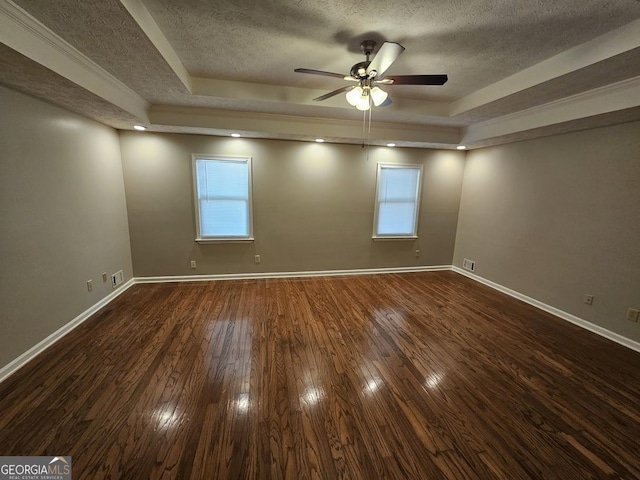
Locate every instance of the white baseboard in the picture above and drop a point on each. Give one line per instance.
(603, 332)
(315, 273)
(27, 356)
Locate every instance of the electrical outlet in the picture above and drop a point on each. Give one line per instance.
(588, 299)
(193, 264)
(633, 315)
(257, 258)
(104, 277)
(417, 253)
(89, 285)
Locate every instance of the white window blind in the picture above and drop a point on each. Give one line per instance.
(397, 200)
(223, 197)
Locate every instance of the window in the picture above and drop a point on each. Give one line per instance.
(222, 197)
(397, 201)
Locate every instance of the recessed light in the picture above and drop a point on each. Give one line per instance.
(320, 140)
(461, 147)
(235, 135)
(391, 144)
(140, 127)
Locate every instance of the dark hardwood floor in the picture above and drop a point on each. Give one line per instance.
(420, 376)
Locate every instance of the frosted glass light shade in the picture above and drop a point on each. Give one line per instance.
(378, 96)
(354, 96)
(363, 103)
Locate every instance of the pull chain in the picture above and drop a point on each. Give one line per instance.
(369, 132)
(366, 138)
(364, 123)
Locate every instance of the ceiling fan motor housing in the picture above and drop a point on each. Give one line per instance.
(359, 70)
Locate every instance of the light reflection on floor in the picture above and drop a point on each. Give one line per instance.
(433, 380)
(242, 403)
(167, 416)
(312, 396)
(372, 386)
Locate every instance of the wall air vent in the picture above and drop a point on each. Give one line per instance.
(117, 278)
(469, 265)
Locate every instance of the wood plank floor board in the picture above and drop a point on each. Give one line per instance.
(422, 375)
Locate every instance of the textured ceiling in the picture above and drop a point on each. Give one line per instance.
(476, 42)
(104, 31)
(27, 76)
(239, 56)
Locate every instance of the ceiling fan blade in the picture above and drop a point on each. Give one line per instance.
(418, 79)
(334, 93)
(319, 72)
(388, 53)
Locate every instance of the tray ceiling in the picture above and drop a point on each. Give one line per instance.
(213, 67)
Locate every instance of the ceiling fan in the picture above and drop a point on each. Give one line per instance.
(368, 75)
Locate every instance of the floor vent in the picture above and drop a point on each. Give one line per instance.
(117, 278)
(469, 265)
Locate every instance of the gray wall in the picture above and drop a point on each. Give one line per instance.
(557, 218)
(313, 206)
(63, 218)
(553, 218)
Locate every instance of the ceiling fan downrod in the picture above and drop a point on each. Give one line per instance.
(367, 48)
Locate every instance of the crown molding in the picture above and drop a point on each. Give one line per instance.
(299, 127)
(599, 101)
(599, 49)
(29, 37)
(210, 111)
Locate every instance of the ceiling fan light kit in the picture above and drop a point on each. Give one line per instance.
(378, 96)
(370, 73)
(354, 96)
(363, 104)
(361, 97)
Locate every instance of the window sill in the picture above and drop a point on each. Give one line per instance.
(224, 240)
(395, 237)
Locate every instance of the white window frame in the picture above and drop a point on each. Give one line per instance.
(414, 234)
(221, 239)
